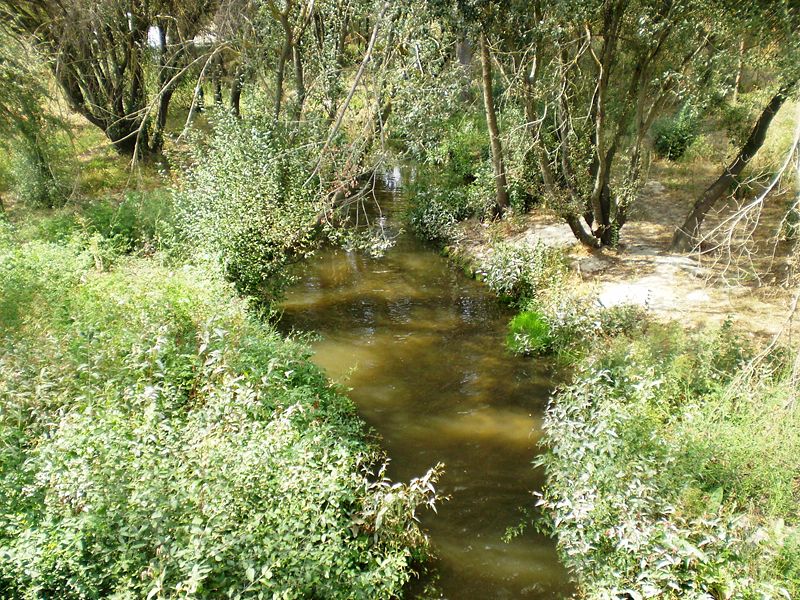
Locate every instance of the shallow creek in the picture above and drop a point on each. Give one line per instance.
(422, 348)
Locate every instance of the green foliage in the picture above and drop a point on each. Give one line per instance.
(673, 136)
(737, 119)
(520, 272)
(666, 477)
(141, 223)
(528, 333)
(244, 200)
(573, 324)
(38, 168)
(433, 213)
(157, 440)
(463, 145)
(38, 151)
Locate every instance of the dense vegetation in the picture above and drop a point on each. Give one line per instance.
(669, 476)
(159, 440)
(163, 165)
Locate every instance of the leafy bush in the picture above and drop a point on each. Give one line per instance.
(243, 199)
(572, 324)
(666, 479)
(464, 145)
(434, 213)
(529, 333)
(737, 121)
(142, 221)
(156, 440)
(40, 159)
(518, 272)
(673, 136)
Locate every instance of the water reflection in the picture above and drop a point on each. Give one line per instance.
(432, 377)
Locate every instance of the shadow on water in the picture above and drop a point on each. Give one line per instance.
(421, 346)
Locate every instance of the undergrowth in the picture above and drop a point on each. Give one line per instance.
(159, 440)
(665, 479)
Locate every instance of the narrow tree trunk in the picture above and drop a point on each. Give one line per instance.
(236, 92)
(299, 81)
(157, 144)
(165, 90)
(216, 78)
(280, 73)
(341, 42)
(739, 68)
(687, 235)
(494, 131)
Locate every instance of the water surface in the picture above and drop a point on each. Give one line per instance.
(421, 347)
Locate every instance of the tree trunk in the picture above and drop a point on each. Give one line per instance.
(498, 167)
(286, 53)
(216, 80)
(299, 80)
(686, 237)
(157, 144)
(127, 138)
(236, 92)
(737, 84)
(165, 90)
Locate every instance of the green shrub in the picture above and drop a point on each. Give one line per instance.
(244, 200)
(737, 120)
(666, 477)
(463, 147)
(519, 272)
(529, 333)
(156, 440)
(36, 174)
(575, 323)
(434, 213)
(673, 136)
(142, 221)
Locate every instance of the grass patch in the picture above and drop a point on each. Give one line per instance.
(528, 333)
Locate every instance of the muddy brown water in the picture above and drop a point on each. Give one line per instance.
(421, 347)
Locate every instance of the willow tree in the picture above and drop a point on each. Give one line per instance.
(592, 78)
(774, 28)
(99, 52)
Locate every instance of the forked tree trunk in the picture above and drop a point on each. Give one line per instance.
(687, 236)
(501, 198)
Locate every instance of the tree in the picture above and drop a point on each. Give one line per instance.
(99, 53)
(687, 236)
(24, 126)
(501, 186)
(775, 27)
(578, 65)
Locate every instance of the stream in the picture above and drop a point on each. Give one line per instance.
(422, 348)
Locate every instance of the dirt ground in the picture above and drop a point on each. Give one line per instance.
(697, 289)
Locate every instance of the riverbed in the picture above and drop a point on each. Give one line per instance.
(421, 348)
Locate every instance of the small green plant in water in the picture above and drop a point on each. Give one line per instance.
(529, 333)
